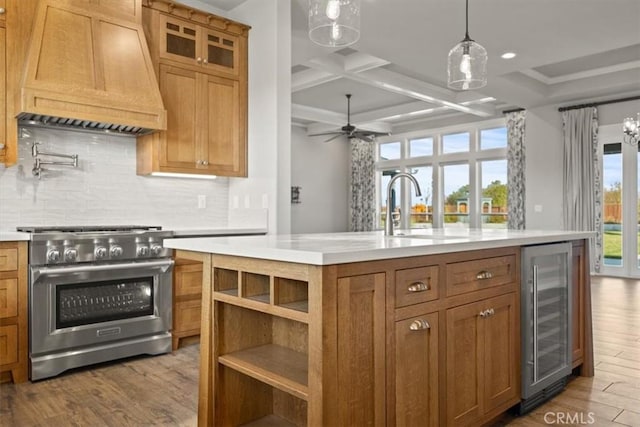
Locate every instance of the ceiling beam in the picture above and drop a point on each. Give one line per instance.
(309, 78)
(400, 84)
(328, 120)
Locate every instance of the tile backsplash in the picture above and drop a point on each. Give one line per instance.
(104, 189)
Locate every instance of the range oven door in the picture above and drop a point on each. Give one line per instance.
(78, 306)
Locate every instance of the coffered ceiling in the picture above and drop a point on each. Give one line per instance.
(568, 51)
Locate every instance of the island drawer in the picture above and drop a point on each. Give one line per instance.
(416, 285)
(478, 274)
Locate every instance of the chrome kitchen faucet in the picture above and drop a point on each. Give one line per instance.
(388, 224)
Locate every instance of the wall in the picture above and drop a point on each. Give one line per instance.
(104, 189)
(544, 145)
(322, 172)
(269, 180)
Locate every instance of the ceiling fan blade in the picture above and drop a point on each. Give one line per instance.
(327, 133)
(363, 138)
(332, 138)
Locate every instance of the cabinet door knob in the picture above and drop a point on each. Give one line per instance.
(484, 274)
(199, 60)
(491, 312)
(2, 10)
(205, 61)
(418, 287)
(205, 162)
(419, 325)
(484, 313)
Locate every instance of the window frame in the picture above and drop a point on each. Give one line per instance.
(474, 158)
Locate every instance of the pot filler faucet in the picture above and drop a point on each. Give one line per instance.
(388, 224)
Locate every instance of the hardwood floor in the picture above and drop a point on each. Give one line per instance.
(163, 390)
(142, 391)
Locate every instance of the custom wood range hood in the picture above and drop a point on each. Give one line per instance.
(88, 66)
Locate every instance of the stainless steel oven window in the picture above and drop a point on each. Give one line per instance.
(95, 302)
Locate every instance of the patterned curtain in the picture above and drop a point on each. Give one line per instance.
(363, 186)
(516, 169)
(582, 181)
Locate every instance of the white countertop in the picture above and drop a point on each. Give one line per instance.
(13, 236)
(222, 231)
(339, 248)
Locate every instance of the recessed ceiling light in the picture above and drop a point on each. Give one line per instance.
(508, 55)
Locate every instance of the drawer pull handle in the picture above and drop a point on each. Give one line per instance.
(419, 325)
(484, 274)
(487, 313)
(418, 287)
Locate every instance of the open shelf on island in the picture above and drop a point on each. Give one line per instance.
(269, 421)
(225, 280)
(275, 365)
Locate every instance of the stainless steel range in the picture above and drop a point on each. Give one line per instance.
(97, 294)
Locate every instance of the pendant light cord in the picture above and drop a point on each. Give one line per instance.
(466, 33)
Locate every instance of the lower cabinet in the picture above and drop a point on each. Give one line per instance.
(361, 349)
(578, 276)
(482, 359)
(187, 295)
(416, 371)
(14, 345)
(343, 345)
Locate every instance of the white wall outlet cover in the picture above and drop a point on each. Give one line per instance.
(202, 201)
(537, 208)
(247, 201)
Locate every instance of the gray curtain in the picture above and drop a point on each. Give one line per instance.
(363, 186)
(516, 169)
(582, 181)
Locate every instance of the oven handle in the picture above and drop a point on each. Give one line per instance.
(39, 271)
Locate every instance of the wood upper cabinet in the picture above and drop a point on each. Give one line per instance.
(416, 371)
(482, 358)
(202, 72)
(196, 45)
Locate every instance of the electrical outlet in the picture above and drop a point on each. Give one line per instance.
(202, 201)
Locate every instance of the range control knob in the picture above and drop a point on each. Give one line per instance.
(53, 255)
(155, 250)
(70, 254)
(100, 252)
(142, 250)
(115, 251)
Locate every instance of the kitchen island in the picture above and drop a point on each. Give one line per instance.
(367, 329)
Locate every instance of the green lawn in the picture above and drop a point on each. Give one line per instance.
(613, 244)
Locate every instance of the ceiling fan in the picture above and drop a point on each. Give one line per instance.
(350, 131)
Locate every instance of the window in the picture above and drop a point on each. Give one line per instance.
(462, 172)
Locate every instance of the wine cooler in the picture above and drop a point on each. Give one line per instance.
(546, 315)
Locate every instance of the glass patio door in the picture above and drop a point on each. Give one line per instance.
(621, 205)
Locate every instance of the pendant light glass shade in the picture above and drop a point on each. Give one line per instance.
(334, 23)
(467, 63)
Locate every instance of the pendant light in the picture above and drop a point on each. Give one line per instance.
(631, 130)
(467, 64)
(334, 23)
